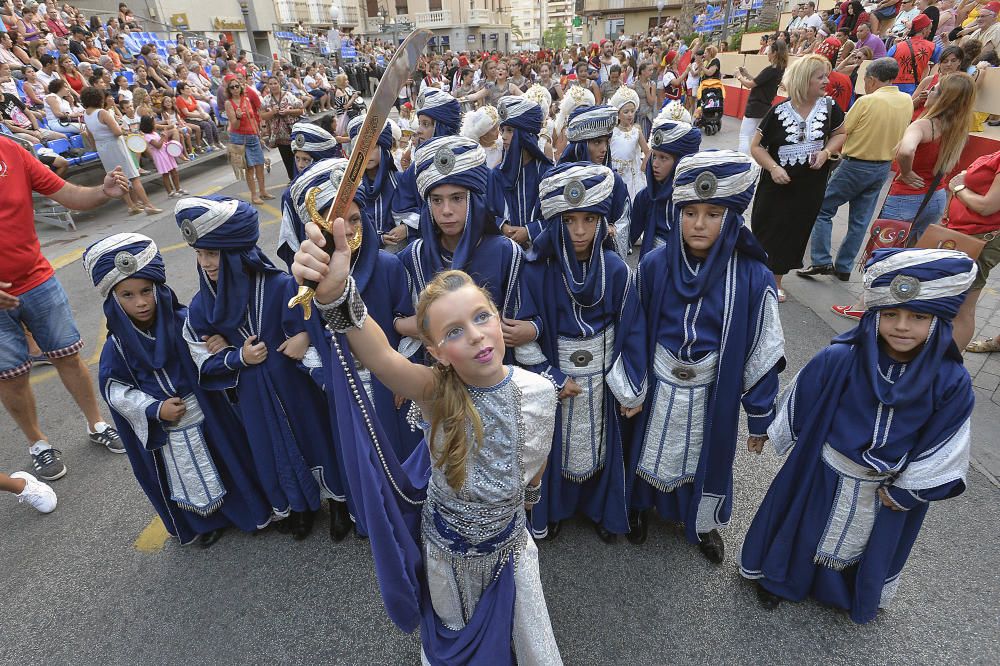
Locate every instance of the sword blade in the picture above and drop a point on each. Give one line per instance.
(396, 72)
(404, 60)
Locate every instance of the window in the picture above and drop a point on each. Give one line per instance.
(371, 6)
(402, 7)
(434, 5)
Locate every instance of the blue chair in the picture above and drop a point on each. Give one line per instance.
(129, 76)
(60, 146)
(76, 141)
(20, 89)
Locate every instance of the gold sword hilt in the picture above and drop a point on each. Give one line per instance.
(304, 298)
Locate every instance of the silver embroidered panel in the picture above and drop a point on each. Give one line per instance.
(675, 430)
(852, 515)
(769, 343)
(194, 481)
(584, 432)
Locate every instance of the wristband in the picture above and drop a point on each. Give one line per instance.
(347, 312)
(533, 494)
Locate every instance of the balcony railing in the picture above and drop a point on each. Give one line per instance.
(441, 19)
(479, 16)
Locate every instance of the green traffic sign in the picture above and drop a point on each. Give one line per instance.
(577, 21)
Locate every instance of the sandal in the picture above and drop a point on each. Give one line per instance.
(782, 296)
(257, 201)
(984, 346)
(847, 311)
(266, 196)
(134, 211)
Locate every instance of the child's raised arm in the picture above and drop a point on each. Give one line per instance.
(368, 343)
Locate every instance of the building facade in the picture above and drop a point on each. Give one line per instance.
(610, 18)
(457, 25)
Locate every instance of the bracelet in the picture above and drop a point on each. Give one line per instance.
(533, 494)
(347, 312)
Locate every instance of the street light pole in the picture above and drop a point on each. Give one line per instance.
(659, 11)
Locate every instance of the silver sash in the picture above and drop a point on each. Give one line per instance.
(194, 481)
(672, 443)
(584, 432)
(852, 515)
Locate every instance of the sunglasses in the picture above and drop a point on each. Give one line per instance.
(234, 87)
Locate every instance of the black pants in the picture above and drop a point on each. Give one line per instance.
(287, 157)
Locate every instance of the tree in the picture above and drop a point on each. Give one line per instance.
(685, 23)
(515, 30)
(555, 37)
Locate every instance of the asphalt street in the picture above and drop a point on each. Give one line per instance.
(97, 582)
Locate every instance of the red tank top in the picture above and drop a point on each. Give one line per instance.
(923, 165)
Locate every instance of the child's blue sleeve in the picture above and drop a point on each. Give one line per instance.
(215, 371)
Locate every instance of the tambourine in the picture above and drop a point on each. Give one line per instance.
(135, 143)
(174, 148)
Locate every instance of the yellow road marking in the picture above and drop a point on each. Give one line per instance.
(211, 190)
(66, 259)
(152, 539)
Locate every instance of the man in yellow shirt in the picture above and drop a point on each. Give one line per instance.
(875, 124)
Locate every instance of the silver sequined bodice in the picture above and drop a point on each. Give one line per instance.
(493, 490)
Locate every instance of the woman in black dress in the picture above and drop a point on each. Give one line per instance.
(793, 145)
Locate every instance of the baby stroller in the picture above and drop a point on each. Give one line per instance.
(711, 97)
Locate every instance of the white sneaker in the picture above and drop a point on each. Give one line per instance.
(36, 493)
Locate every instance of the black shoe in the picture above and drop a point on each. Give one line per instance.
(638, 526)
(302, 524)
(843, 277)
(48, 464)
(712, 547)
(340, 520)
(813, 271)
(605, 535)
(554, 529)
(768, 601)
(208, 538)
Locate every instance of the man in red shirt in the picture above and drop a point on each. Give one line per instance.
(914, 55)
(31, 296)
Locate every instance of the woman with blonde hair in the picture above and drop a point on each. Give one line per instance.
(928, 151)
(793, 145)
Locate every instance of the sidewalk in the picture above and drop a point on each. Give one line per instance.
(820, 293)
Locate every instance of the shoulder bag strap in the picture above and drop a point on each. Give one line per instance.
(913, 62)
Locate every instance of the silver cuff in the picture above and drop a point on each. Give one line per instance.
(345, 313)
(533, 494)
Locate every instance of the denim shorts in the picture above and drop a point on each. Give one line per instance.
(254, 155)
(45, 311)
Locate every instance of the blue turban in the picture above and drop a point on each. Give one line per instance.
(325, 177)
(569, 187)
(120, 257)
(442, 108)
(384, 139)
(525, 118)
(680, 140)
(373, 187)
(453, 160)
(313, 139)
(586, 123)
(230, 226)
(724, 178)
(933, 282)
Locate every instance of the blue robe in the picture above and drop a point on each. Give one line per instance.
(586, 469)
(135, 391)
(285, 414)
(406, 203)
(703, 358)
(918, 450)
(381, 194)
(517, 203)
(651, 214)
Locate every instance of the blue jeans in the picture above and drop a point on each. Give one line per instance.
(905, 207)
(46, 312)
(858, 183)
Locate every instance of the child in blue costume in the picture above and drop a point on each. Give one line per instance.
(513, 186)
(438, 114)
(588, 131)
(890, 436)
(186, 444)
(380, 185)
(669, 141)
(578, 294)
(714, 341)
(381, 279)
(243, 299)
(310, 143)
(457, 229)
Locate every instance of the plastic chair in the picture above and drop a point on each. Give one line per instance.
(129, 76)
(76, 141)
(60, 146)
